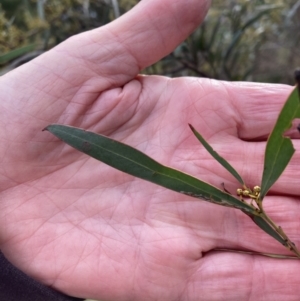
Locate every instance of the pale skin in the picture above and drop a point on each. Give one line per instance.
(88, 230)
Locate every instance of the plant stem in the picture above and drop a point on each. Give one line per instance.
(288, 243)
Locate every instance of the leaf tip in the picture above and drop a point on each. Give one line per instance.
(49, 127)
(191, 127)
(46, 128)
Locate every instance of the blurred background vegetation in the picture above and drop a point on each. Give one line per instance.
(254, 40)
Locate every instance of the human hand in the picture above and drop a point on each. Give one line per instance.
(90, 231)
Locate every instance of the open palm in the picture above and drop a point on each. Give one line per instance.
(91, 231)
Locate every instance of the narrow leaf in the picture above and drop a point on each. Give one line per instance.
(129, 160)
(279, 149)
(13, 54)
(220, 159)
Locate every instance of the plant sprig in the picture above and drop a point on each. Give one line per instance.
(278, 153)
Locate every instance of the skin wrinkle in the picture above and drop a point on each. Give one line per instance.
(239, 235)
(236, 114)
(73, 174)
(199, 269)
(119, 44)
(79, 260)
(266, 110)
(41, 77)
(190, 286)
(157, 31)
(79, 67)
(141, 64)
(128, 51)
(130, 119)
(59, 167)
(202, 87)
(89, 60)
(42, 225)
(56, 80)
(150, 279)
(207, 171)
(106, 114)
(230, 221)
(256, 176)
(169, 140)
(137, 208)
(184, 294)
(226, 127)
(243, 170)
(182, 225)
(181, 137)
(253, 286)
(60, 186)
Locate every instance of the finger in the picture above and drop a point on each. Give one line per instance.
(258, 106)
(118, 51)
(244, 277)
(245, 110)
(154, 28)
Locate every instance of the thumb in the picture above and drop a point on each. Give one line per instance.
(153, 28)
(141, 37)
(113, 54)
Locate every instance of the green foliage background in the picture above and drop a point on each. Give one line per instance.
(253, 40)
